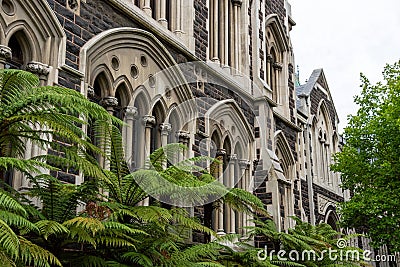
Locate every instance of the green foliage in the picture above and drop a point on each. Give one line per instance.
(369, 163)
(15, 249)
(48, 117)
(303, 237)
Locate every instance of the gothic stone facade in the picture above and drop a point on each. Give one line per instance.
(136, 58)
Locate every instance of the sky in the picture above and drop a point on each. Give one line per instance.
(345, 37)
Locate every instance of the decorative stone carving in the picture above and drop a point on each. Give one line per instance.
(278, 66)
(244, 164)
(149, 121)
(73, 4)
(221, 152)
(131, 112)
(183, 135)
(5, 52)
(165, 128)
(90, 91)
(323, 202)
(237, 3)
(38, 68)
(232, 158)
(109, 102)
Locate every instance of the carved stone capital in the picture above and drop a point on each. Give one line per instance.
(278, 66)
(232, 157)
(183, 135)
(165, 128)
(237, 3)
(38, 68)
(90, 91)
(130, 112)
(109, 102)
(244, 164)
(5, 52)
(149, 121)
(221, 152)
(269, 58)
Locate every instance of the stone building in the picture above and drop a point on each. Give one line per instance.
(317, 142)
(215, 75)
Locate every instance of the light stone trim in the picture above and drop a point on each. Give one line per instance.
(38, 68)
(5, 52)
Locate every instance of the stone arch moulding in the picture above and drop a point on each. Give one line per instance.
(283, 145)
(230, 113)
(282, 43)
(127, 93)
(137, 40)
(40, 25)
(105, 72)
(322, 107)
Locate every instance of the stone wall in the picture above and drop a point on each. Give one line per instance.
(200, 28)
(290, 134)
(315, 98)
(324, 192)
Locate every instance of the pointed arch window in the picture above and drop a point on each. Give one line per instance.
(19, 50)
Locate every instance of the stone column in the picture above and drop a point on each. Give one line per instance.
(149, 122)
(5, 54)
(109, 103)
(162, 12)
(243, 165)
(236, 35)
(248, 187)
(220, 210)
(215, 36)
(130, 116)
(40, 69)
(184, 139)
(146, 7)
(231, 184)
(224, 34)
(277, 68)
(165, 129)
(268, 70)
(178, 18)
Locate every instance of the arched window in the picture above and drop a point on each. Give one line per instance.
(19, 49)
(272, 75)
(159, 115)
(323, 145)
(277, 45)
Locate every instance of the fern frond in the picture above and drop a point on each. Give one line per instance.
(9, 241)
(35, 255)
(48, 228)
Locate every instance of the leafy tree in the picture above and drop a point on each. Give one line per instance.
(167, 228)
(15, 248)
(47, 116)
(370, 161)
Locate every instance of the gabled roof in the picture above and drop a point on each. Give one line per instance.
(317, 76)
(305, 89)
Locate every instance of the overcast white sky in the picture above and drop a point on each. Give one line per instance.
(345, 37)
